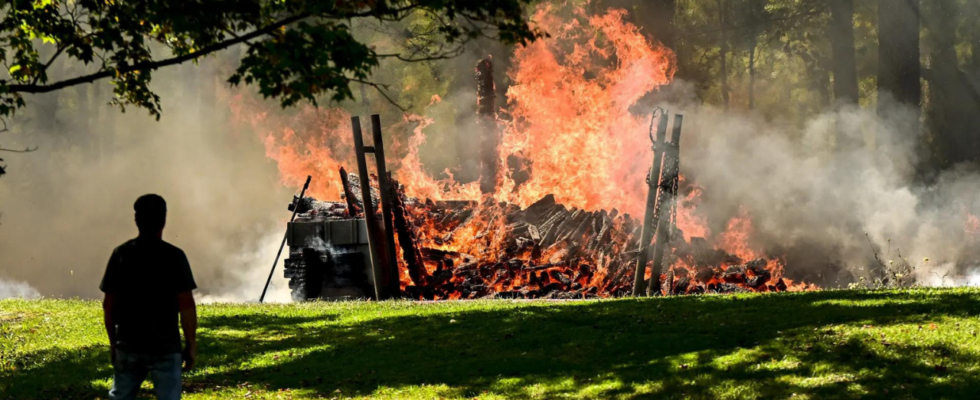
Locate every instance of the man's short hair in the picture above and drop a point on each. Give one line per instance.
(151, 212)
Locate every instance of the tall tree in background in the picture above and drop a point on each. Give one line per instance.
(953, 105)
(899, 68)
(841, 35)
(723, 51)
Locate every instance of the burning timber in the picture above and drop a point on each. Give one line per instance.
(470, 250)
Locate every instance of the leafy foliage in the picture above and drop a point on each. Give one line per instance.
(296, 50)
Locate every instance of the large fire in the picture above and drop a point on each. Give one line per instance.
(587, 156)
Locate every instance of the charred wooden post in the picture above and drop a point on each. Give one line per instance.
(375, 236)
(668, 191)
(486, 120)
(651, 215)
(407, 240)
(352, 209)
(390, 273)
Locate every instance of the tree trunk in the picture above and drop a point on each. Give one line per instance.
(752, 73)
(841, 34)
(953, 106)
(97, 125)
(723, 52)
(899, 70)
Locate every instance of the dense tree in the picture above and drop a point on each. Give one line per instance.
(953, 98)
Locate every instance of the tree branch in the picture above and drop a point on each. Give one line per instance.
(152, 65)
(48, 64)
(380, 88)
(26, 150)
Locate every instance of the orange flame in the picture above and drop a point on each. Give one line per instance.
(735, 239)
(314, 141)
(571, 106)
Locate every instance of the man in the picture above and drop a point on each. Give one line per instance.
(147, 283)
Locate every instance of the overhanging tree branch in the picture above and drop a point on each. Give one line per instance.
(26, 150)
(381, 90)
(144, 66)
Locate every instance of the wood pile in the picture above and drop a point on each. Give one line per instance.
(547, 250)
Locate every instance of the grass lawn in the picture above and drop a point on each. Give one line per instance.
(909, 344)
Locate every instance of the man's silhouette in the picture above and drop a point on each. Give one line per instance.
(147, 284)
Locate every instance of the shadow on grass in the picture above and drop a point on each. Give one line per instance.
(662, 348)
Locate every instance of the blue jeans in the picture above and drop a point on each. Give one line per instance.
(131, 370)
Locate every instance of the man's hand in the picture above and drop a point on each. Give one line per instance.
(190, 356)
(108, 304)
(188, 321)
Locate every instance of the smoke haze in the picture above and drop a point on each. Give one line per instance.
(67, 205)
(813, 200)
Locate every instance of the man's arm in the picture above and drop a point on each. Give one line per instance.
(110, 327)
(188, 322)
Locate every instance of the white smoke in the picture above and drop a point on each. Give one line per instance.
(14, 289)
(251, 270)
(317, 243)
(819, 189)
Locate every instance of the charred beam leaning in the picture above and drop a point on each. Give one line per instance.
(650, 217)
(390, 274)
(407, 239)
(665, 203)
(379, 259)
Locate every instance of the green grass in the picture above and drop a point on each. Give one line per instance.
(909, 344)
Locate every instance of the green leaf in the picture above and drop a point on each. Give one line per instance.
(15, 68)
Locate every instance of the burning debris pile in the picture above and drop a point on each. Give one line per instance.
(469, 250)
(551, 251)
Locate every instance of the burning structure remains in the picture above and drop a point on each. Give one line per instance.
(566, 204)
(486, 248)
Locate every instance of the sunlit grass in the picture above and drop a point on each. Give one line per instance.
(837, 344)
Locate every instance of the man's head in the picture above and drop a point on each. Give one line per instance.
(151, 214)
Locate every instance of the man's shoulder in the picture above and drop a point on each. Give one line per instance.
(170, 248)
(129, 244)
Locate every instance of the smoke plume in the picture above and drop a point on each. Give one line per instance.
(67, 205)
(829, 193)
(11, 289)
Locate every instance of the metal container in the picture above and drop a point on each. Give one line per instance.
(328, 259)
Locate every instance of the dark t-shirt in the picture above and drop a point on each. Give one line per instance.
(145, 276)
